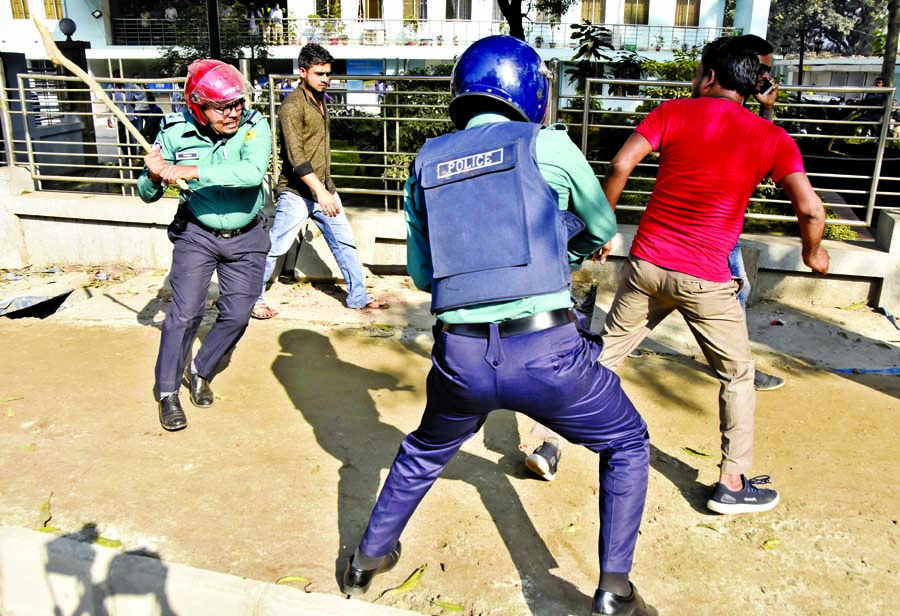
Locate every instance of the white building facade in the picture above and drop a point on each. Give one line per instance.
(130, 33)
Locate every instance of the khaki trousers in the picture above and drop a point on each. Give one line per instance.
(646, 295)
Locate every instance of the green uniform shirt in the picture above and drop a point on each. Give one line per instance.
(569, 174)
(228, 194)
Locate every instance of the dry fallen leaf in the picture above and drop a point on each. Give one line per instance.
(108, 543)
(770, 544)
(293, 579)
(44, 513)
(450, 607)
(411, 582)
(696, 452)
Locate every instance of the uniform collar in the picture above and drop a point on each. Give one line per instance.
(486, 118)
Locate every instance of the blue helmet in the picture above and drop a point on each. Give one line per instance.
(499, 74)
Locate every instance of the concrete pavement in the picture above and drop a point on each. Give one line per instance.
(44, 574)
(41, 573)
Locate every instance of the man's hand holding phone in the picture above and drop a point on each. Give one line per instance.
(767, 93)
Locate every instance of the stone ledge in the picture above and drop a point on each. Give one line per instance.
(94, 207)
(44, 574)
(98, 229)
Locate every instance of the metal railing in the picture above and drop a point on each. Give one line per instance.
(379, 122)
(86, 148)
(377, 125)
(664, 38)
(400, 32)
(832, 125)
(69, 140)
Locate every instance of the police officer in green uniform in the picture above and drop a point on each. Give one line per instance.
(496, 214)
(221, 149)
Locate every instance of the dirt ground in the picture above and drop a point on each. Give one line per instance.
(278, 477)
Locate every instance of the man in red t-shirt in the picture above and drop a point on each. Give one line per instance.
(713, 153)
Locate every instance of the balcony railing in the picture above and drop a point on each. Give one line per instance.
(406, 32)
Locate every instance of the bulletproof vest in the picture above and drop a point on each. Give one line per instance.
(494, 225)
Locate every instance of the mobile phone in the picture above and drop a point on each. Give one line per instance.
(766, 86)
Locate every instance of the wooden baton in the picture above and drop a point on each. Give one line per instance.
(59, 59)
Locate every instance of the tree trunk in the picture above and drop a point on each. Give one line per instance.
(890, 43)
(512, 12)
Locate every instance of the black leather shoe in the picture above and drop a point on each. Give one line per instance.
(201, 392)
(357, 581)
(171, 415)
(611, 604)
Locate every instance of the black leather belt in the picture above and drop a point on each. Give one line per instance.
(225, 234)
(515, 327)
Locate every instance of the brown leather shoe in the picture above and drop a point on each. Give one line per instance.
(201, 393)
(171, 415)
(611, 604)
(357, 581)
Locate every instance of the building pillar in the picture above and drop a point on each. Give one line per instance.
(615, 12)
(662, 13)
(712, 15)
(887, 238)
(14, 181)
(752, 17)
(77, 96)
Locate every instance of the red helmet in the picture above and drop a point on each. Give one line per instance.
(214, 83)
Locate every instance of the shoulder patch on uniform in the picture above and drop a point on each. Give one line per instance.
(251, 135)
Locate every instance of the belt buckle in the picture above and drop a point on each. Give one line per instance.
(226, 234)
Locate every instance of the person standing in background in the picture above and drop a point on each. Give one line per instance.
(276, 24)
(306, 189)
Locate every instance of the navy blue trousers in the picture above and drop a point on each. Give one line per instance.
(551, 376)
(239, 263)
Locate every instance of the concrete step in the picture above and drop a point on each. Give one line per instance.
(44, 574)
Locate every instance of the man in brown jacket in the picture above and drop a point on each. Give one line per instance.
(305, 189)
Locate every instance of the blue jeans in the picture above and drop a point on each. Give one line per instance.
(291, 213)
(736, 265)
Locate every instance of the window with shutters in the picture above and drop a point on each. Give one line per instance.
(637, 11)
(416, 8)
(459, 9)
(53, 9)
(593, 11)
(20, 9)
(687, 12)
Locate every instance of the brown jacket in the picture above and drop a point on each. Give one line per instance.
(305, 146)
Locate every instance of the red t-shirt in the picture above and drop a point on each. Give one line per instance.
(713, 153)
